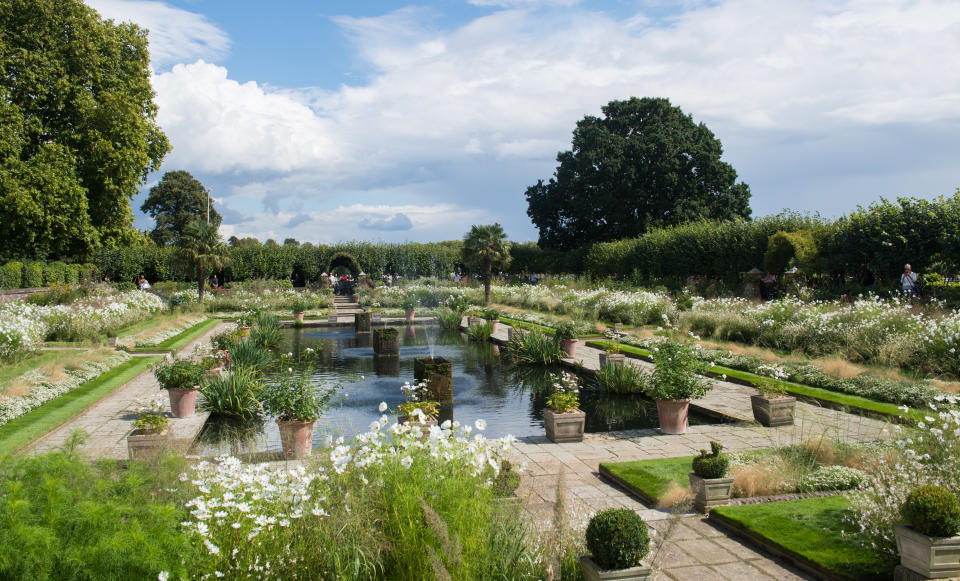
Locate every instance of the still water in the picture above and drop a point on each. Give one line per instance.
(511, 399)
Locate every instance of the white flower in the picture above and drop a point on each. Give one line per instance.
(406, 461)
(480, 424)
(383, 407)
(163, 576)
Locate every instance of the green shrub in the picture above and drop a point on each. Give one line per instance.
(677, 372)
(11, 275)
(621, 378)
(410, 302)
(178, 373)
(786, 248)
(532, 348)
(932, 511)
(54, 272)
(617, 538)
(565, 330)
(33, 275)
(711, 464)
(480, 332)
(72, 274)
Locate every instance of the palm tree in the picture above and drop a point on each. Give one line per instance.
(201, 249)
(486, 247)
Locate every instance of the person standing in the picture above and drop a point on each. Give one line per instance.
(908, 281)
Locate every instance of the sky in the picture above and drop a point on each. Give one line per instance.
(353, 120)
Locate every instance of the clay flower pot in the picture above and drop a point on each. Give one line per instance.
(569, 347)
(183, 401)
(296, 438)
(409, 314)
(673, 415)
(243, 331)
(299, 316)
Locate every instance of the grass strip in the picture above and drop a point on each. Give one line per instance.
(527, 325)
(17, 433)
(14, 370)
(810, 531)
(650, 480)
(817, 394)
(182, 339)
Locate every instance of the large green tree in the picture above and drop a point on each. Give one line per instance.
(486, 247)
(79, 126)
(201, 250)
(174, 202)
(643, 164)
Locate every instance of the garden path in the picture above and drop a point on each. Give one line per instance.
(108, 422)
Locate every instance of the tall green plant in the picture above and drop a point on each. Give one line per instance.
(235, 394)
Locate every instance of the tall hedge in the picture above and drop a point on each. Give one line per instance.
(800, 248)
(11, 274)
(54, 272)
(32, 275)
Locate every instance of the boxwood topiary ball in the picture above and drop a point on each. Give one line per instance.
(933, 511)
(617, 538)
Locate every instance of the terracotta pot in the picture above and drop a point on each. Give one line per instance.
(773, 411)
(569, 347)
(565, 427)
(673, 415)
(710, 492)
(409, 314)
(494, 325)
(296, 438)
(243, 331)
(147, 445)
(183, 401)
(930, 557)
(611, 358)
(592, 572)
(299, 316)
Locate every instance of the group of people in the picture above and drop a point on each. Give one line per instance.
(343, 285)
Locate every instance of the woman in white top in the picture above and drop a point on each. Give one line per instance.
(908, 281)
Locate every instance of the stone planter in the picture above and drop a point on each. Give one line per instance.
(673, 415)
(471, 321)
(611, 358)
(930, 557)
(386, 365)
(298, 316)
(243, 331)
(408, 314)
(710, 492)
(569, 347)
(183, 401)
(438, 373)
(618, 327)
(426, 423)
(362, 322)
(296, 438)
(592, 572)
(331, 318)
(772, 412)
(143, 445)
(565, 427)
(386, 341)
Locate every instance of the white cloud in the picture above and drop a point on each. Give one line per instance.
(523, 3)
(175, 35)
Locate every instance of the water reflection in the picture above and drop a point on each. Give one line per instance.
(510, 399)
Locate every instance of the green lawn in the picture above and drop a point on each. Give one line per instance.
(810, 530)
(17, 433)
(14, 370)
(183, 339)
(650, 480)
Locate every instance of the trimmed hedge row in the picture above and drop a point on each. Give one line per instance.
(15, 274)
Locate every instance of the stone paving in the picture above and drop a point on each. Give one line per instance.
(110, 420)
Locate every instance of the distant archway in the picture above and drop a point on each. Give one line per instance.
(341, 261)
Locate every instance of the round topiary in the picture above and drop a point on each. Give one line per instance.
(933, 511)
(617, 538)
(713, 464)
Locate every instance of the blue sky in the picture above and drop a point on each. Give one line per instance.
(382, 120)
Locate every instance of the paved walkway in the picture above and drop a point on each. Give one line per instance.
(110, 420)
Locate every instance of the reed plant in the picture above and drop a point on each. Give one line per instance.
(532, 348)
(449, 319)
(480, 332)
(252, 356)
(622, 378)
(235, 394)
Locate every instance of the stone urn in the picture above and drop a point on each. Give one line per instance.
(773, 411)
(565, 427)
(569, 347)
(930, 557)
(710, 492)
(408, 314)
(611, 358)
(298, 316)
(673, 415)
(145, 445)
(296, 438)
(183, 401)
(592, 572)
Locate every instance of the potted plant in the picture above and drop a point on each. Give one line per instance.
(771, 405)
(708, 481)
(419, 407)
(929, 545)
(244, 322)
(563, 419)
(150, 436)
(182, 379)
(409, 304)
(612, 353)
(298, 306)
(566, 335)
(674, 382)
(493, 317)
(296, 405)
(618, 540)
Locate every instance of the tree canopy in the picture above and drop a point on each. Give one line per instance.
(202, 250)
(486, 247)
(644, 164)
(173, 203)
(79, 131)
